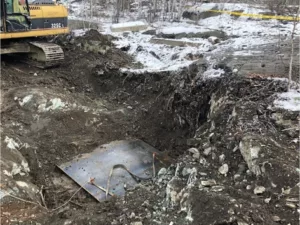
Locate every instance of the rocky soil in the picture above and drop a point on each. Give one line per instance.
(235, 155)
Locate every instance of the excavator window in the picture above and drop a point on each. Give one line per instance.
(15, 15)
(9, 6)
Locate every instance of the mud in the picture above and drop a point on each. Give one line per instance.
(56, 114)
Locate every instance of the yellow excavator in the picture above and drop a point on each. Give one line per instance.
(22, 23)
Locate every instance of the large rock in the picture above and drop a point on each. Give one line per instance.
(129, 26)
(149, 32)
(171, 42)
(14, 170)
(250, 149)
(214, 33)
(173, 191)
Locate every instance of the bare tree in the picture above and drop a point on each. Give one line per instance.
(173, 4)
(139, 8)
(155, 8)
(116, 11)
(180, 8)
(162, 9)
(91, 9)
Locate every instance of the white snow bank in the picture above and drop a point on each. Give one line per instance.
(288, 100)
(129, 24)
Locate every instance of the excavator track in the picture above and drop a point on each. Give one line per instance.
(45, 54)
(39, 54)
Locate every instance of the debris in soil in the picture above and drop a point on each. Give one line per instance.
(234, 150)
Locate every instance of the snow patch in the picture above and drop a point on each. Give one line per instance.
(18, 169)
(189, 215)
(79, 32)
(21, 184)
(129, 24)
(25, 100)
(160, 57)
(25, 166)
(288, 100)
(11, 143)
(56, 104)
(247, 53)
(2, 194)
(5, 172)
(213, 73)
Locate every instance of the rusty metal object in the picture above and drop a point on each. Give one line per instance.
(135, 155)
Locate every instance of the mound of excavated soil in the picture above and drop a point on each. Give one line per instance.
(94, 35)
(89, 54)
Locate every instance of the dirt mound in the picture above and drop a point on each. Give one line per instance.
(94, 35)
(93, 53)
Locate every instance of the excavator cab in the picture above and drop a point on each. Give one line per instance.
(15, 16)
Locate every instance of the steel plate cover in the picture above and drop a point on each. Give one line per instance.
(136, 155)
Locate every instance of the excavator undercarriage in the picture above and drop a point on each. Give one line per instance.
(40, 54)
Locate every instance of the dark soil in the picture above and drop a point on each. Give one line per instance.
(56, 137)
(168, 111)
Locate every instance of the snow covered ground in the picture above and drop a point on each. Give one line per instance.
(246, 8)
(244, 35)
(248, 34)
(168, 57)
(288, 100)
